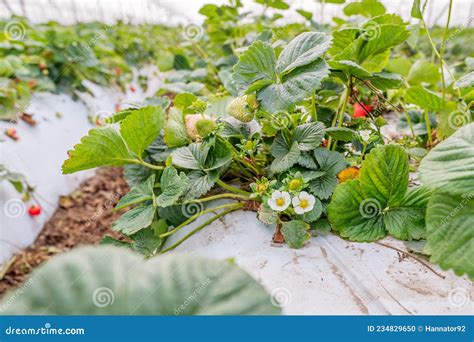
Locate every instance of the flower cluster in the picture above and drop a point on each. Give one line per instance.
(281, 200)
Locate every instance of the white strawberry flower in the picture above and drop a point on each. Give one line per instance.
(303, 203)
(365, 135)
(279, 201)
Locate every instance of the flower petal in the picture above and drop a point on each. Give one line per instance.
(295, 201)
(299, 210)
(272, 204)
(276, 194)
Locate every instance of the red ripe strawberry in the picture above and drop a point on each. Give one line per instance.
(133, 89)
(324, 143)
(34, 210)
(359, 111)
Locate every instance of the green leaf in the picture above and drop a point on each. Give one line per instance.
(416, 10)
(101, 147)
(309, 135)
(367, 8)
(200, 183)
(384, 175)
(135, 219)
(296, 233)
(175, 134)
(407, 221)
(465, 81)
(285, 162)
(424, 98)
(146, 242)
(450, 165)
(138, 194)
(330, 162)
(302, 50)
(341, 39)
(450, 231)
(141, 127)
(172, 186)
(294, 87)
(351, 68)
(342, 133)
(256, 63)
(120, 282)
(365, 208)
(202, 156)
(386, 80)
(377, 62)
(380, 37)
(323, 186)
(136, 174)
(266, 215)
(192, 157)
(353, 216)
(423, 72)
(281, 85)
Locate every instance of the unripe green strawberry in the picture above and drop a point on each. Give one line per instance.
(243, 108)
(199, 126)
(205, 127)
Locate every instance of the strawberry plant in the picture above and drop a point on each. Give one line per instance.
(279, 142)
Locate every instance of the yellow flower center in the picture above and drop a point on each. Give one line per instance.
(280, 202)
(261, 187)
(294, 184)
(304, 203)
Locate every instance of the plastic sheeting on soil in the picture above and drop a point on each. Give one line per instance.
(332, 276)
(40, 152)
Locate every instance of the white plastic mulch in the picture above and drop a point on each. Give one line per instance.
(331, 276)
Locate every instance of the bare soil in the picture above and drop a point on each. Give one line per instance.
(82, 218)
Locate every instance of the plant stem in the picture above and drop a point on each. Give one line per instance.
(314, 114)
(340, 114)
(441, 49)
(442, 62)
(194, 217)
(237, 206)
(144, 163)
(215, 197)
(428, 127)
(232, 189)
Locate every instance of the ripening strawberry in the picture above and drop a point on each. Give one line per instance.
(359, 111)
(34, 210)
(117, 107)
(31, 84)
(11, 132)
(199, 126)
(243, 108)
(133, 89)
(42, 65)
